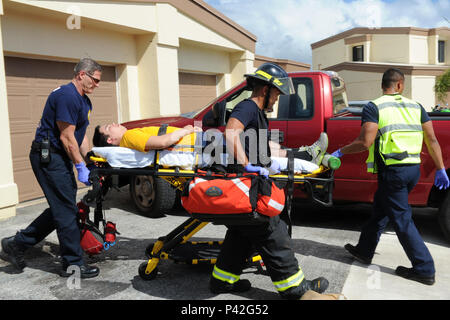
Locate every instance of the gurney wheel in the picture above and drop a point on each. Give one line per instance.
(145, 276)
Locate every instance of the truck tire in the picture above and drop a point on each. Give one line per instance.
(152, 195)
(444, 216)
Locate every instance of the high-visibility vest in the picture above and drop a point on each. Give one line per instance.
(400, 135)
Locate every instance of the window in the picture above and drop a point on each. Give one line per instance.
(295, 106)
(358, 53)
(441, 51)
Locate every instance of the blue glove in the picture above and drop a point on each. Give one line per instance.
(441, 179)
(275, 167)
(262, 171)
(337, 153)
(83, 173)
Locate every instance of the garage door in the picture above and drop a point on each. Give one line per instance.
(196, 90)
(29, 82)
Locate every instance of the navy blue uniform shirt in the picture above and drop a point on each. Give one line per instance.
(370, 114)
(67, 105)
(248, 113)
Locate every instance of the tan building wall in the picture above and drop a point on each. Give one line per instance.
(286, 64)
(413, 50)
(8, 189)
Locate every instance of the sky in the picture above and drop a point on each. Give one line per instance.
(285, 29)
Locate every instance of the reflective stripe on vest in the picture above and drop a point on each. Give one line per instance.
(290, 282)
(399, 132)
(225, 276)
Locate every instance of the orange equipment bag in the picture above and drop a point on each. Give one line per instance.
(230, 194)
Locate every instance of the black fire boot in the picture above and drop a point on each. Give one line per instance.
(217, 286)
(318, 285)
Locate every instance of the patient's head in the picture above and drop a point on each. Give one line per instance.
(108, 135)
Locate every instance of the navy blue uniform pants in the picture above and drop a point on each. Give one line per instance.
(391, 204)
(58, 183)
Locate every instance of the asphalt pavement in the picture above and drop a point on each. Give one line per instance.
(319, 236)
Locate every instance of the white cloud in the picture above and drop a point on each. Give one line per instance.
(285, 29)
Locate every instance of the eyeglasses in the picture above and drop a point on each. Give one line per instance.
(96, 81)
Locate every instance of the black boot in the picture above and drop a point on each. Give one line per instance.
(352, 250)
(217, 286)
(13, 253)
(318, 285)
(409, 273)
(84, 272)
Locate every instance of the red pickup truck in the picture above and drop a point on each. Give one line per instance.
(320, 104)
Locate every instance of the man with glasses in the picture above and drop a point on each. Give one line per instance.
(59, 143)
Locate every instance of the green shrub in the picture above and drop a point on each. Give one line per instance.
(442, 86)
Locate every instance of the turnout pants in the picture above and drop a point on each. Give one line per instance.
(58, 183)
(272, 242)
(391, 204)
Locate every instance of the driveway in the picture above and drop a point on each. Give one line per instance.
(318, 238)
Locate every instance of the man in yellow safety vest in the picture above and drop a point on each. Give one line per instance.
(393, 129)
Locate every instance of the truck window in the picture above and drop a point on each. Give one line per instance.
(339, 94)
(245, 94)
(295, 106)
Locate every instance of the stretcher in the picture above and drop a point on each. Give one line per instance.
(176, 245)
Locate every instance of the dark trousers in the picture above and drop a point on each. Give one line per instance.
(58, 183)
(391, 204)
(270, 240)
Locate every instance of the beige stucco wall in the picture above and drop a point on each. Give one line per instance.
(362, 85)
(149, 43)
(8, 189)
(412, 50)
(390, 48)
(418, 49)
(422, 88)
(329, 55)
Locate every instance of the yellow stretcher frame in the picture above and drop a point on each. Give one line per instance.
(181, 234)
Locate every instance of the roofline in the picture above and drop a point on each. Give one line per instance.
(212, 18)
(382, 30)
(282, 61)
(407, 69)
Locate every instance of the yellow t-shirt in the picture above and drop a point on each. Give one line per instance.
(137, 138)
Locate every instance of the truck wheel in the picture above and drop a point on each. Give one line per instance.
(152, 195)
(444, 216)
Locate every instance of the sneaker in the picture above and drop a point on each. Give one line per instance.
(317, 149)
(352, 250)
(13, 253)
(217, 286)
(409, 273)
(85, 272)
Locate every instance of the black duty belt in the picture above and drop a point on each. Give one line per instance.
(36, 147)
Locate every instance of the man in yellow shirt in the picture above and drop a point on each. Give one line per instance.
(141, 139)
